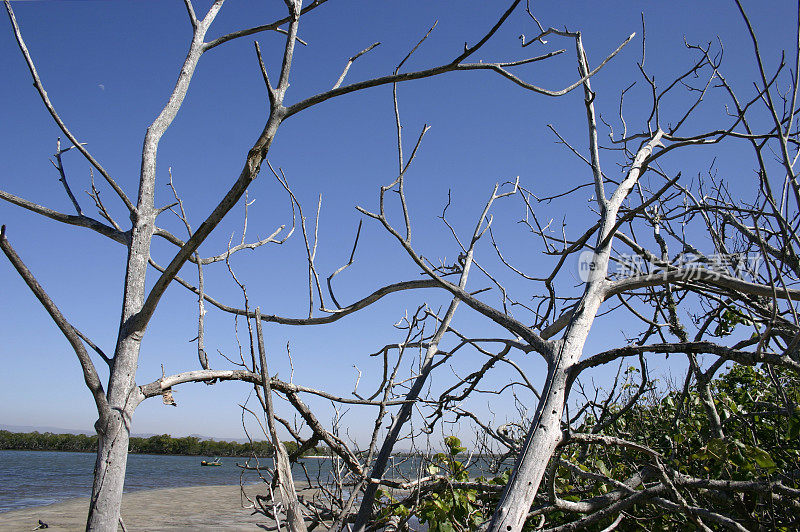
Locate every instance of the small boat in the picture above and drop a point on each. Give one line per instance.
(216, 462)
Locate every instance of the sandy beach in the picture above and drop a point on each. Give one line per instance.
(192, 508)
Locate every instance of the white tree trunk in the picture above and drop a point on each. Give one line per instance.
(109, 477)
(114, 427)
(545, 432)
(532, 463)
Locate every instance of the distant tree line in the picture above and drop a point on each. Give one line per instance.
(159, 444)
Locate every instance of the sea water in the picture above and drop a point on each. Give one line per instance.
(36, 478)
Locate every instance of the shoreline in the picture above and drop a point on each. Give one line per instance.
(246, 455)
(184, 508)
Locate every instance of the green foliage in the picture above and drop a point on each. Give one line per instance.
(760, 422)
(760, 413)
(449, 507)
(47, 441)
(727, 322)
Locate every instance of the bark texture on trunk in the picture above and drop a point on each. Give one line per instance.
(294, 511)
(545, 432)
(114, 428)
(532, 463)
(109, 476)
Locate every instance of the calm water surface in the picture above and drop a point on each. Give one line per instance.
(35, 478)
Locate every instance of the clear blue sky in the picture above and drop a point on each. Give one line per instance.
(109, 67)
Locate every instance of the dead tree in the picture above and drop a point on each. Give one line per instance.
(646, 211)
(713, 223)
(117, 399)
(661, 250)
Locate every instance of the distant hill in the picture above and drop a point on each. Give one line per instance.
(54, 430)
